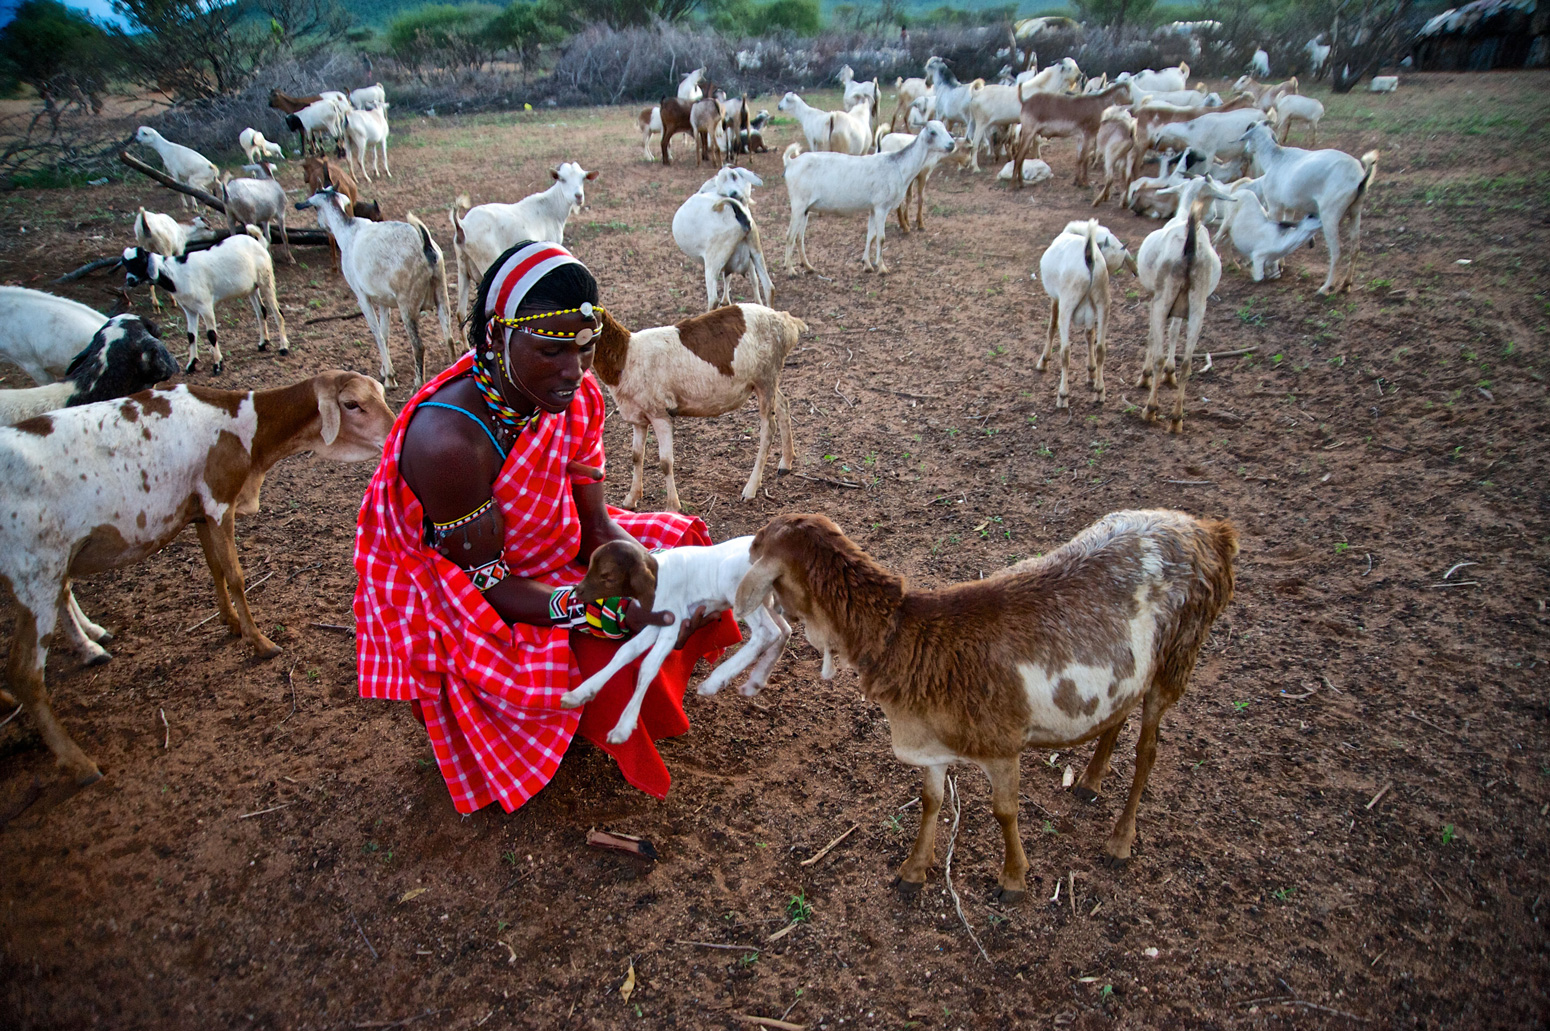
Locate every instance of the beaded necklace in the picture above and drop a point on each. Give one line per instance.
(508, 420)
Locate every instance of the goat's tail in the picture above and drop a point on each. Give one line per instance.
(140, 225)
(877, 137)
(1092, 254)
(427, 245)
(790, 154)
(258, 234)
(738, 211)
(1184, 70)
(1370, 172)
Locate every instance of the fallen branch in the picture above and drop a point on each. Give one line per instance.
(1381, 792)
(952, 839)
(87, 269)
(261, 812)
(837, 483)
(779, 1025)
(334, 318)
(297, 237)
(829, 847)
(714, 945)
(627, 843)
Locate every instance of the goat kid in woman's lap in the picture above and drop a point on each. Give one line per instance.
(674, 586)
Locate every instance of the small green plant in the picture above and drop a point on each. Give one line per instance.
(894, 824)
(1341, 547)
(1106, 992)
(747, 959)
(314, 674)
(1049, 828)
(1284, 894)
(509, 856)
(1044, 451)
(1248, 316)
(798, 908)
(1447, 834)
(1239, 706)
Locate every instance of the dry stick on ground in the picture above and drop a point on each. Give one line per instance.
(825, 479)
(1381, 792)
(334, 318)
(365, 939)
(827, 848)
(336, 627)
(277, 808)
(713, 945)
(780, 1025)
(87, 269)
(166, 741)
(291, 680)
(947, 868)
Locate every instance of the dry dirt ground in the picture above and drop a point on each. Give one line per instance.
(1345, 827)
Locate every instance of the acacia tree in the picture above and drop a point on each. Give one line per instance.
(65, 57)
(192, 49)
(1365, 36)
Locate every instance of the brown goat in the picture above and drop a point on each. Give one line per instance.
(676, 118)
(705, 119)
(1055, 114)
(1050, 653)
(319, 172)
(289, 104)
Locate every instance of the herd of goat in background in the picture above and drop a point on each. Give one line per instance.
(160, 460)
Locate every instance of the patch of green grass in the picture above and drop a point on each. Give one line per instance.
(798, 909)
(1448, 835)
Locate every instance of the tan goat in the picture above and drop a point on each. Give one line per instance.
(1049, 115)
(1050, 653)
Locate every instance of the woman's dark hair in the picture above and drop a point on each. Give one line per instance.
(563, 287)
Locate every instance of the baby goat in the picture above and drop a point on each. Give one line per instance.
(704, 366)
(1075, 271)
(1050, 653)
(257, 202)
(677, 581)
(1262, 239)
(168, 237)
(237, 266)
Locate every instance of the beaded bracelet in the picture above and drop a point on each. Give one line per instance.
(488, 575)
(600, 618)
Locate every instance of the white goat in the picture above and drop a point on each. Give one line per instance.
(908, 91)
(319, 119)
(857, 91)
(1035, 171)
(257, 148)
(257, 202)
(845, 184)
(368, 97)
(480, 235)
(366, 133)
(1326, 183)
(1149, 81)
(184, 164)
(705, 366)
(717, 226)
(1075, 273)
(1180, 268)
(1318, 57)
(43, 333)
(1383, 84)
(850, 132)
(814, 121)
(1218, 135)
(1259, 64)
(677, 581)
(388, 263)
(168, 237)
(1302, 109)
(1262, 239)
(238, 266)
(952, 96)
(123, 358)
(890, 142)
(689, 88)
(649, 122)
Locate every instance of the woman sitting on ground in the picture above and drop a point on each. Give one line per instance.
(486, 508)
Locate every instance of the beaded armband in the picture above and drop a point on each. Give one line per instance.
(488, 575)
(600, 619)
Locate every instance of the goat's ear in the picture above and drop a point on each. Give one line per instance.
(328, 408)
(554, 173)
(592, 175)
(756, 586)
(643, 582)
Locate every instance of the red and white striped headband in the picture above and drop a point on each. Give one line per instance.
(517, 275)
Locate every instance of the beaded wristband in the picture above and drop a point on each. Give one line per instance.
(488, 575)
(600, 619)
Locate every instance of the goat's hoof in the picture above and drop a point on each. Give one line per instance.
(191, 366)
(1084, 793)
(263, 345)
(909, 889)
(285, 349)
(1114, 862)
(215, 370)
(86, 778)
(570, 700)
(782, 472)
(1175, 425)
(618, 737)
(98, 659)
(1008, 896)
(1100, 396)
(1062, 401)
(1040, 365)
(266, 649)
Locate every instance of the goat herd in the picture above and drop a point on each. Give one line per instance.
(1055, 651)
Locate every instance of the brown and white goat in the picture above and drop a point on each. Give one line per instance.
(1115, 146)
(704, 366)
(676, 116)
(705, 119)
(104, 485)
(1050, 653)
(1051, 114)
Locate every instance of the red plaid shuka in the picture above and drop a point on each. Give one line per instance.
(489, 693)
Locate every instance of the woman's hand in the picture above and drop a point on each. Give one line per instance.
(636, 618)
(700, 617)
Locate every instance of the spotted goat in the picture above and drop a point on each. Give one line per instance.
(1049, 653)
(104, 485)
